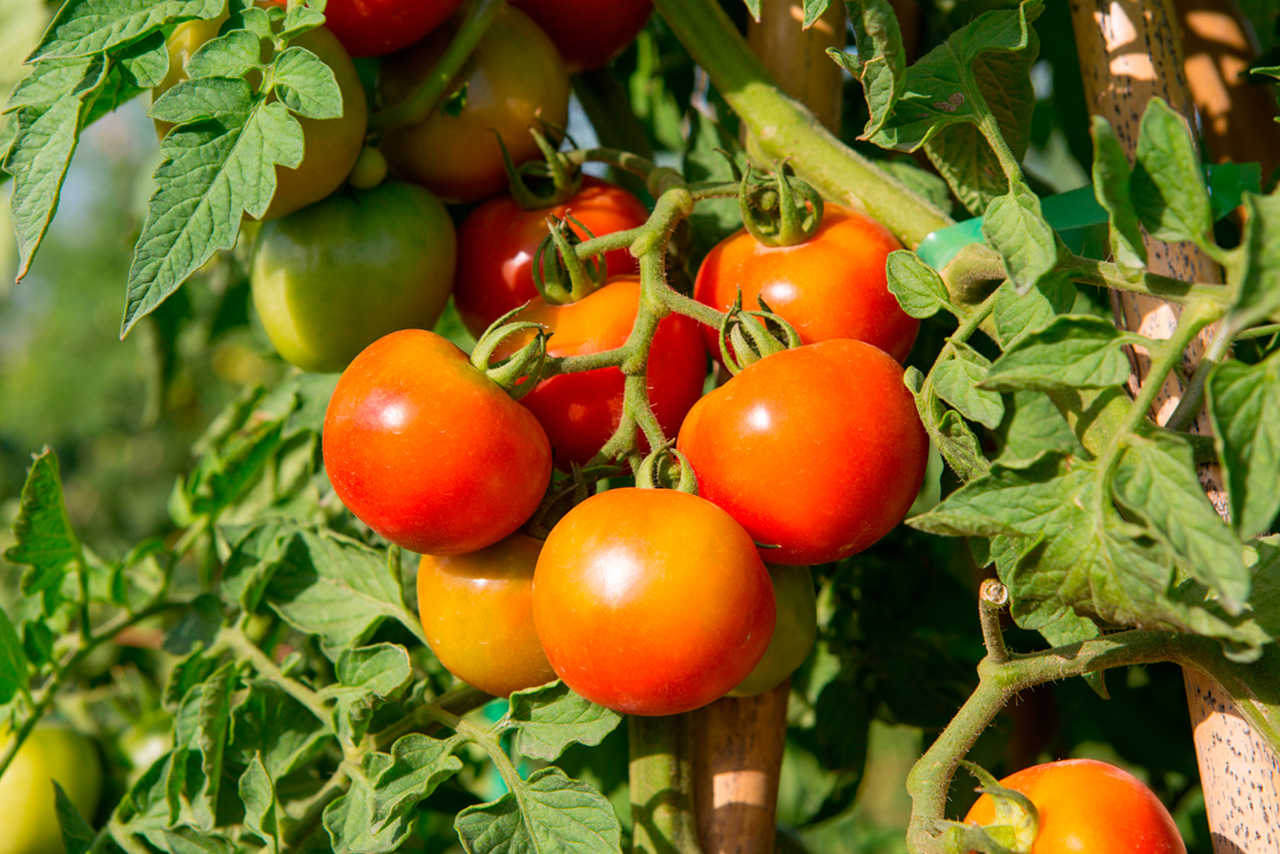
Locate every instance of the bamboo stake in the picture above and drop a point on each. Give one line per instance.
(1129, 53)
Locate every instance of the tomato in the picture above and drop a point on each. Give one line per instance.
(586, 32)
(376, 27)
(1086, 805)
(428, 451)
(513, 78)
(27, 813)
(497, 241)
(831, 286)
(817, 450)
(651, 601)
(580, 411)
(332, 278)
(331, 146)
(477, 612)
(794, 634)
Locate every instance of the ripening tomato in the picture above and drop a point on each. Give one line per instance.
(28, 816)
(428, 451)
(497, 242)
(580, 411)
(586, 32)
(794, 634)
(331, 146)
(512, 79)
(477, 612)
(332, 278)
(377, 27)
(651, 601)
(1086, 805)
(831, 286)
(817, 450)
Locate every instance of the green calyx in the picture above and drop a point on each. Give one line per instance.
(667, 468)
(559, 274)
(746, 337)
(543, 183)
(521, 371)
(782, 212)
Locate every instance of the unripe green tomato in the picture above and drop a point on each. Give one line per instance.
(793, 634)
(335, 276)
(28, 818)
(330, 146)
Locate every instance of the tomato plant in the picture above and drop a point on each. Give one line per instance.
(580, 411)
(818, 452)
(429, 452)
(514, 79)
(377, 27)
(651, 601)
(793, 635)
(588, 34)
(477, 611)
(1087, 805)
(832, 285)
(498, 240)
(335, 276)
(49, 754)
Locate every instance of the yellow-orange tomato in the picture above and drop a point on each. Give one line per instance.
(1089, 806)
(477, 612)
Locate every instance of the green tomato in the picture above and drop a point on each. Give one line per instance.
(334, 277)
(793, 634)
(28, 818)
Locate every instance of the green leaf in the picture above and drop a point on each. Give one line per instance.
(350, 820)
(1111, 175)
(15, 669)
(214, 718)
(881, 61)
(146, 62)
(255, 557)
(1010, 500)
(86, 27)
(704, 160)
(957, 382)
(1017, 314)
(367, 677)
(813, 10)
(298, 19)
(187, 840)
(258, 794)
(1254, 268)
(1015, 228)
(216, 168)
(306, 84)
(77, 835)
(753, 8)
(231, 55)
(1156, 481)
(551, 717)
(276, 728)
(947, 430)
(1244, 404)
(1033, 423)
(917, 286)
(46, 541)
(232, 462)
(1075, 351)
(418, 765)
(1167, 185)
(553, 815)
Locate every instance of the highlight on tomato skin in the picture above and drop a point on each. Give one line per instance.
(1089, 806)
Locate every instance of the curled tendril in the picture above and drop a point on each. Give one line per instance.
(521, 371)
(747, 337)
(781, 212)
(667, 468)
(558, 273)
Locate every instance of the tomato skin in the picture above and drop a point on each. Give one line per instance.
(428, 451)
(27, 812)
(477, 612)
(377, 27)
(651, 601)
(586, 32)
(794, 634)
(331, 145)
(818, 450)
(580, 411)
(831, 286)
(513, 78)
(1086, 805)
(497, 242)
(332, 278)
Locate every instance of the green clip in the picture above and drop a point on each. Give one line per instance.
(1081, 222)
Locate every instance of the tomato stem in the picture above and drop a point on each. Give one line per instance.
(661, 775)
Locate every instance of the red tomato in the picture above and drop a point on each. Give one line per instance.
(477, 612)
(497, 241)
(376, 27)
(831, 286)
(1086, 805)
(589, 33)
(818, 450)
(428, 451)
(580, 411)
(651, 601)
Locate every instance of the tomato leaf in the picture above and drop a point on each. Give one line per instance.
(1254, 268)
(1244, 404)
(77, 835)
(86, 27)
(15, 669)
(1111, 176)
(1018, 314)
(550, 718)
(947, 430)
(1167, 185)
(186, 840)
(880, 64)
(214, 719)
(1015, 228)
(917, 286)
(306, 85)
(813, 10)
(1033, 423)
(146, 61)
(1156, 481)
(367, 677)
(270, 724)
(258, 794)
(232, 56)
(1075, 351)
(553, 814)
(46, 542)
(255, 557)
(958, 382)
(418, 765)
